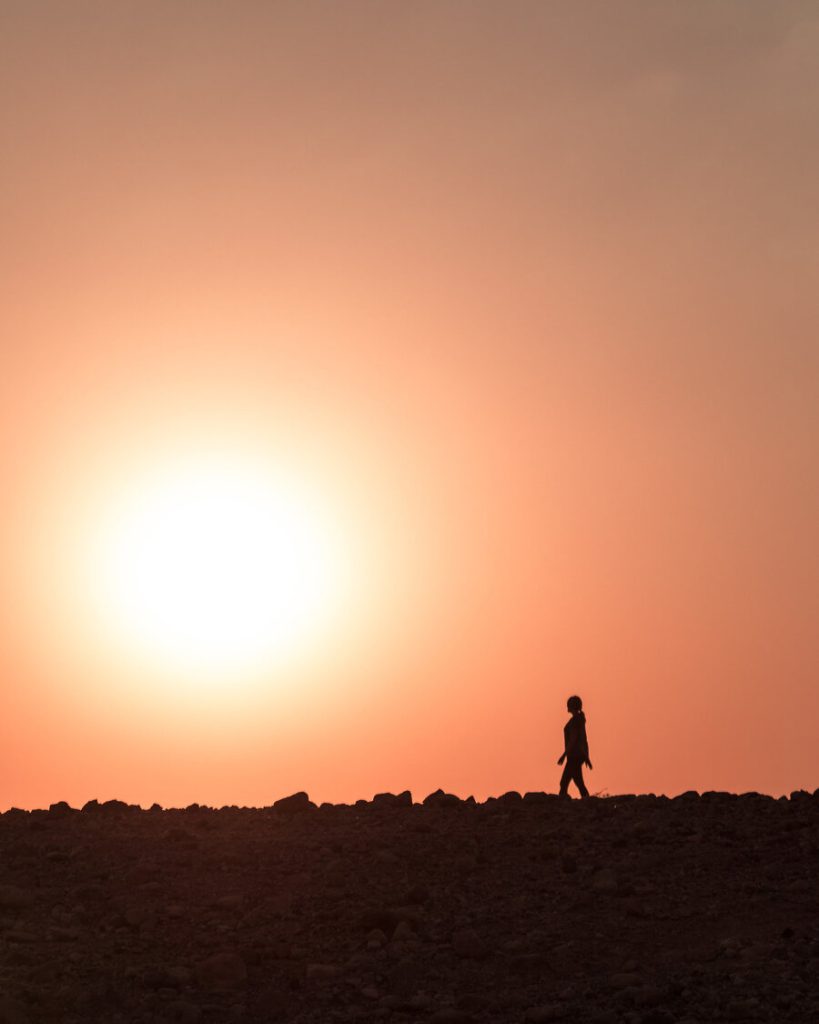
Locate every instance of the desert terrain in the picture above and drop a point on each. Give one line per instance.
(640, 910)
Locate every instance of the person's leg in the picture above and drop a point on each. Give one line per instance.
(565, 779)
(577, 777)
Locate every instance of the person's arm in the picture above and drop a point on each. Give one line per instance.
(587, 759)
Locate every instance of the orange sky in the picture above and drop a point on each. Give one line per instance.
(525, 294)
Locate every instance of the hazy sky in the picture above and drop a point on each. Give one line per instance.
(523, 295)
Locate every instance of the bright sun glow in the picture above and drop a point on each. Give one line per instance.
(216, 567)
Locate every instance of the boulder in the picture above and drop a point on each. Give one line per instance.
(294, 804)
(403, 799)
(441, 799)
(60, 809)
(511, 798)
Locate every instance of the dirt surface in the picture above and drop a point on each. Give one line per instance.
(643, 910)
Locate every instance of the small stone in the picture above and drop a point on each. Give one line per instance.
(542, 1014)
(12, 897)
(11, 1012)
(321, 973)
(180, 1011)
(405, 978)
(229, 901)
(657, 1016)
(648, 995)
(416, 895)
(467, 944)
(403, 931)
(624, 979)
(221, 971)
(58, 856)
(604, 880)
(472, 1002)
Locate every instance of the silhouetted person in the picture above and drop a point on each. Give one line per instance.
(575, 750)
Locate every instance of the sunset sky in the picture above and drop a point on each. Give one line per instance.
(375, 375)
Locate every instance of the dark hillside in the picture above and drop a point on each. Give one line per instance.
(640, 910)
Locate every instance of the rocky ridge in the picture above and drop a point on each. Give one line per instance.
(620, 910)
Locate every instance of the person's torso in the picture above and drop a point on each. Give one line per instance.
(574, 733)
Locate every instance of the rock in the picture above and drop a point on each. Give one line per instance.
(472, 1002)
(221, 971)
(116, 807)
(402, 932)
(58, 856)
(467, 944)
(511, 798)
(12, 1012)
(542, 1014)
(441, 799)
(181, 1011)
(658, 1016)
(228, 901)
(449, 1015)
(376, 939)
(12, 897)
(60, 809)
(624, 979)
(416, 895)
(604, 880)
(321, 973)
(403, 799)
(648, 995)
(405, 977)
(294, 804)
(383, 894)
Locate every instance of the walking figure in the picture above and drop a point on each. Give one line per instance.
(576, 749)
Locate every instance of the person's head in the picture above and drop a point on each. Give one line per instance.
(574, 704)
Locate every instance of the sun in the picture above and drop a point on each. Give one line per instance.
(216, 566)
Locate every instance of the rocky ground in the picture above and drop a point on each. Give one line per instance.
(641, 910)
